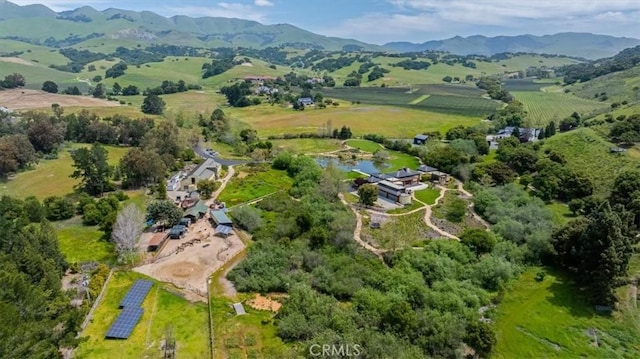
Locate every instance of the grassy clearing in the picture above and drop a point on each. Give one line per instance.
(547, 319)
(251, 182)
(397, 232)
(51, 177)
(188, 69)
(161, 309)
(543, 107)
(588, 153)
(392, 122)
(365, 145)
(561, 213)
(308, 145)
(402, 160)
(428, 195)
(83, 244)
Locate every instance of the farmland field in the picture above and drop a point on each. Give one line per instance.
(162, 309)
(468, 106)
(253, 182)
(543, 107)
(520, 85)
(307, 145)
(548, 317)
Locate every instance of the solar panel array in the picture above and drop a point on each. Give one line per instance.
(124, 324)
(136, 294)
(131, 314)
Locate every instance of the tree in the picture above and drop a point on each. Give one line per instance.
(446, 158)
(139, 167)
(481, 338)
(478, 240)
(14, 80)
(50, 86)
(206, 188)
(44, 133)
(153, 105)
(456, 210)
(126, 231)
(116, 89)
(58, 208)
(164, 212)
(368, 194)
(92, 168)
(75, 91)
(99, 91)
(248, 218)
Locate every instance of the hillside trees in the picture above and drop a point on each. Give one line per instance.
(165, 140)
(153, 105)
(50, 86)
(44, 133)
(92, 169)
(237, 93)
(139, 167)
(36, 316)
(116, 70)
(12, 81)
(16, 152)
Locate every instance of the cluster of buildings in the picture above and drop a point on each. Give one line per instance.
(524, 135)
(195, 208)
(399, 185)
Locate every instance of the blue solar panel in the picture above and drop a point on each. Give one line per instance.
(136, 294)
(124, 324)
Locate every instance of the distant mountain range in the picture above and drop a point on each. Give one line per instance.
(585, 45)
(87, 27)
(40, 25)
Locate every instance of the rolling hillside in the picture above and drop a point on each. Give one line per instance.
(39, 25)
(584, 45)
(618, 86)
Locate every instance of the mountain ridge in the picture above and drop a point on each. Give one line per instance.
(575, 44)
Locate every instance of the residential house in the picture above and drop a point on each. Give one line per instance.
(306, 101)
(420, 139)
(258, 79)
(403, 177)
(525, 135)
(393, 192)
(208, 170)
(433, 174)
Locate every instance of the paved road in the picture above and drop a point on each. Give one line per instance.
(198, 150)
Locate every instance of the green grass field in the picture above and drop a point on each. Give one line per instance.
(549, 320)
(467, 106)
(561, 213)
(588, 153)
(364, 145)
(543, 107)
(528, 84)
(618, 86)
(162, 309)
(80, 243)
(51, 177)
(398, 232)
(250, 183)
(428, 195)
(307, 145)
(392, 122)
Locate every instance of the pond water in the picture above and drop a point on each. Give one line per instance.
(365, 166)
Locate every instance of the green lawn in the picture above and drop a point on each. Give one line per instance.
(401, 160)
(80, 243)
(561, 213)
(398, 232)
(162, 309)
(428, 195)
(252, 182)
(549, 319)
(51, 177)
(364, 145)
(308, 145)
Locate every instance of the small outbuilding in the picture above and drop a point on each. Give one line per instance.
(157, 241)
(239, 309)
(223, 231)
(220, 218)
(420, 139)
(197, 211)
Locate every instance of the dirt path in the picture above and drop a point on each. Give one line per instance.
(358, 230)
(427, 216)
(227, 286)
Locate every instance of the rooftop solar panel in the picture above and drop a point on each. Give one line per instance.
(124, 324)
(136, 294)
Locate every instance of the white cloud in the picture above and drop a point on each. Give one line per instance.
(60, 5)
(263, 3)
(221, 9)
(421, 20)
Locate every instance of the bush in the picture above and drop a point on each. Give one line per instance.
(248, 218)
(540, 276)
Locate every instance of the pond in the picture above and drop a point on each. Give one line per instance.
(365, 166)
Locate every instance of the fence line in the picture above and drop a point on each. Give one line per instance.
(95, 303)
(211, 337)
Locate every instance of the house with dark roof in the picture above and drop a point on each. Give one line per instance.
(196, 211)
(433, 174)
(420, 139)
(220, 218)
(393, 192)
(404, 177)
(307, 101)
(525, 135)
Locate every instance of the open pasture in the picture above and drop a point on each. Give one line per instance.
(51, 177)
(548, 317)
(162, 310)
(543, 107)
(23, 99)
(253, 182)
(392, 122)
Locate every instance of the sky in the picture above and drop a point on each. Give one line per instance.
(381, 21)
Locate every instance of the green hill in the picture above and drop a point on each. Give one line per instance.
(618, 86)
(39, 25)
